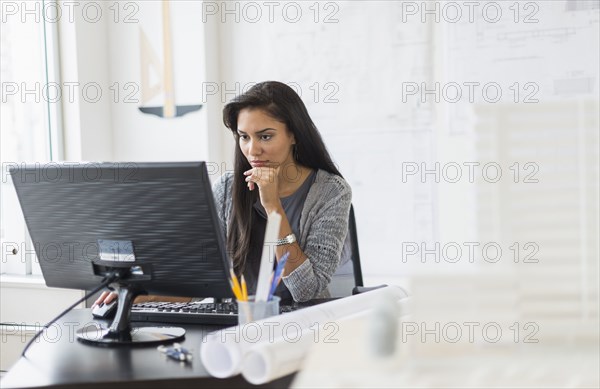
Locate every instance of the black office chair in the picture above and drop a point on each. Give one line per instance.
(348, 276)
(359, 286)
(358, 279)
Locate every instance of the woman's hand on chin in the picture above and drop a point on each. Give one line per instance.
(267, 180)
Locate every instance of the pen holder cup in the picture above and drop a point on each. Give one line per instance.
(251, 310)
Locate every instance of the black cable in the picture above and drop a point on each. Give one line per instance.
(108, 280)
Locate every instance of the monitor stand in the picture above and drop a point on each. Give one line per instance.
(120, 331)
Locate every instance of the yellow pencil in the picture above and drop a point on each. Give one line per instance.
(235, 292)
(244, 289)
(235, 285)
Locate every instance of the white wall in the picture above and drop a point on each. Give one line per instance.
(86, 114)
(107, 52)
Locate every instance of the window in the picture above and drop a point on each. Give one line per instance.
(29, 119)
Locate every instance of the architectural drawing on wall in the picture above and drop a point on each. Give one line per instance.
(520, 57)
(163, 88)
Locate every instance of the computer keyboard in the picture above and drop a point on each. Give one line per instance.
(191, 313)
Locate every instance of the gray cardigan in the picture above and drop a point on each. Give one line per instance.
(323, 230)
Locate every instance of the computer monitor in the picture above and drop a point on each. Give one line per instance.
(153, 224)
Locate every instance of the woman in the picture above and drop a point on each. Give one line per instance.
(282, 165)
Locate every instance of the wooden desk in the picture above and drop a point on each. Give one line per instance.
(58, 359)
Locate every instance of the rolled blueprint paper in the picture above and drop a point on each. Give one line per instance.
(224, 351)
(266, 361)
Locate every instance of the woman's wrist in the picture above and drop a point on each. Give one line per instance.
(270, 208)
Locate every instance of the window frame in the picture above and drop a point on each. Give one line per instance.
(29, 264)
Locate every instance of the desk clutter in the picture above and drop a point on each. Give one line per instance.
(176, 352)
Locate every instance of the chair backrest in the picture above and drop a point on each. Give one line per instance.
(348, 275)
(358, 279)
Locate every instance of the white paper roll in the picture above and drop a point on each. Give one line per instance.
(220, 358)
(265, 362)
(224, 351)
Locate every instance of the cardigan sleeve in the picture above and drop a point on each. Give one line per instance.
(328, 226)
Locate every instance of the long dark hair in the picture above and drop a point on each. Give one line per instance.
(282, 103)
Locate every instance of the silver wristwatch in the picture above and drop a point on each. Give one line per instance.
(288, 239)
